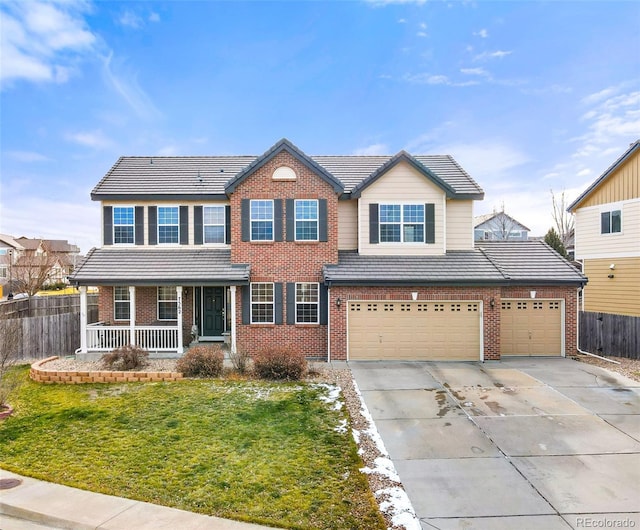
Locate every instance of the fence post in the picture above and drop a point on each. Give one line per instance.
(132, 314)
(83, 318)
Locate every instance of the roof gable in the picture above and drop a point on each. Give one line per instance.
(492, 221)
(633, 148)
(287, 146)
(402, 156)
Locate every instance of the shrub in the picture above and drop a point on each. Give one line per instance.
(205, 361)
(240, 360)
(280, 363)
(127, 357)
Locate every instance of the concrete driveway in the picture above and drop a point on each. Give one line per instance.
(526, 443)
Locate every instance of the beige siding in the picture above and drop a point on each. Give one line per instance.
(590, 243)
(620, 294)
(348, 225)
(190, 204)
(459, 225)
(402, 184)
(622, 185)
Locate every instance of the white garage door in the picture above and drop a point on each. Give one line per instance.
(414, 330)
(531, 327)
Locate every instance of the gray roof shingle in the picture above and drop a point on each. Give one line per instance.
(491, 263)
(192, 177)
(144, 266)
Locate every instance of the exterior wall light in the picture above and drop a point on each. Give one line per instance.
(492, 303)
(533, 294)
(338, 302)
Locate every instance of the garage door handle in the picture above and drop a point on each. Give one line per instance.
(530, 335)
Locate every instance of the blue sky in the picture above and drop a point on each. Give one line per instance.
(527, 96)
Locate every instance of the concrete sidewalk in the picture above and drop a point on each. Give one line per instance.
(55, 506)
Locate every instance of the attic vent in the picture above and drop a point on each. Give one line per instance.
(284, 173)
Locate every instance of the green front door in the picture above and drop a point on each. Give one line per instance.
(213, 316)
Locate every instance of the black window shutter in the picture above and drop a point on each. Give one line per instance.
(324, 304)
(291, 303)
(198, 235)
(277, 220)
(153, 225)
(291, 221)
(139, 225)
(245, 219)
(373, 223)
(184, 225)
(322, 220)
(429, 223)
(227, 224)
(246, 304)
(277, 293)
(107, 221)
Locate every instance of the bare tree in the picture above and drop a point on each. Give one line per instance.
(33, 269)
(501, 224)
(10, 337)
(564, 220)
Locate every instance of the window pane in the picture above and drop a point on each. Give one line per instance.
(605, 223)
(414, 233)
(261, 230)
(167, 292)
(306, 230)
(307, 303)
(167, 215)
(262, 292)
(616, 221)
(213, 215)
(167, 224)
(214, 234)
(121, 308)
(413, 213)
(122, 234)
(167, 303)
(261, 210)
(122, 225)
(389, 213)
(262, 303)
(389, 233)
(167, 234)
(307, 210)
(307, 292)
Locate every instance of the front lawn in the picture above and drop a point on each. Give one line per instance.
(270, 453)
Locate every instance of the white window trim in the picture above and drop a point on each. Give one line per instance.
(127, 301)
(316, 303)
(224, 224)
(401, 223)
(113, 227)
(273, 302)
(177, 207)
(610, 208)
(316, 220)
(251, 219)
(166, 301)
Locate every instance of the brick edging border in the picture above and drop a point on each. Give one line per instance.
(42, 375)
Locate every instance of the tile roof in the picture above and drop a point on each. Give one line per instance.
(206, 176)
(159, 266)
(491, 263)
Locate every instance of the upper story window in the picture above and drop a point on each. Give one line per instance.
(121, 303)
(307, 302)
(611, 222)
(261, 220)
(401, 223)
(3, 271)
(123, 225)
(262, 303)
(168, 224)
(3, 251)
(306, 220)
(167, 302)
(213, 224)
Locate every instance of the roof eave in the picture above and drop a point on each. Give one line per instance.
(159, 196)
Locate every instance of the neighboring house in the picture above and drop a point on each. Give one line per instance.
(10, 249)
(67, 256)
(498, 226)
(343, 257)
(607, 237)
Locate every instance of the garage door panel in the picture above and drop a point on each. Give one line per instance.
(531, 327)
(414, 330)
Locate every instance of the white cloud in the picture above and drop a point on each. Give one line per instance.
(382, 3)
(597, 97)
(584, 172)
(435, 79)
(154, 17)
(130, 19)
(125, 83)
(94, 139)
(483, 33)
(421, 34)
(475, 71)
(27, 156)
(499, 54)
(373, 149)
(40, 40)
(402, 21)
(423, 25)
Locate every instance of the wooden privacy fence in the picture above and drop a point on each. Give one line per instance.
(54, 331)
(608, 334)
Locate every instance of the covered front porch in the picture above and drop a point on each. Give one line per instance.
(162, 302)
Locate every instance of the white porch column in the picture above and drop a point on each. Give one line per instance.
(83, 318)
(232, 288)
(179, 293)
(132, 315)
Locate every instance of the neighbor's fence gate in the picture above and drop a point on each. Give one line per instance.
(47, 325)
(607, 334)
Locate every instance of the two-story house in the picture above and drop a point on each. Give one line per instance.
(343, 257)
(499, 226)
(607, 237)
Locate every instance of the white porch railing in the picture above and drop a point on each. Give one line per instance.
(151, 338)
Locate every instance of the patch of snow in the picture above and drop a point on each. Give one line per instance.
(371, 431)
(333, 395)
(356, 436)
(396, 503)
(342, 427)
(383, 466)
